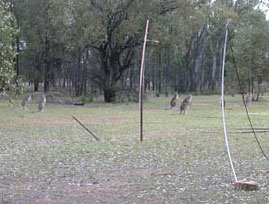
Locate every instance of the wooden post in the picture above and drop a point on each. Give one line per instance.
(141, 84)
(95, 137)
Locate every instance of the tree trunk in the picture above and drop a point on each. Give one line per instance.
(18, 56)
(47, 67)
(199, 54)
(47, 77)
(260, 79)
(36, 86)
(167, 66)
(85, 73)
(78, 75)
(252, 81)
(109, 95)
(160, 74)
(109, 91)
(212, 82)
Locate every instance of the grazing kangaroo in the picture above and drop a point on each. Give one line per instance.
(25, 101)
(185, 105)
(248, 99)
(173, 101)
(41, 104)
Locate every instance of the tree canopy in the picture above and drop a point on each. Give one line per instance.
(7, 51)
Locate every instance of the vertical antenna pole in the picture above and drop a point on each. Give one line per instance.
(141, 84)
(222, 99)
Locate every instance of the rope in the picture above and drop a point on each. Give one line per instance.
(222, 100)
(244, 102)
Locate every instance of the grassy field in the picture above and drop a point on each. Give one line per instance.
(47, 158)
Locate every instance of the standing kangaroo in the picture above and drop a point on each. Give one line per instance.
(185, 105)
(173, 101)
(25, 101)
(41, 104)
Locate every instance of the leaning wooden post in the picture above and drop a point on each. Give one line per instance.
(141, 84)
(95, 137)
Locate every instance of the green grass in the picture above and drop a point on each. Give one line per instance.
(48, 158)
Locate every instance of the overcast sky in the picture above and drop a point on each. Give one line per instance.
(264, 6)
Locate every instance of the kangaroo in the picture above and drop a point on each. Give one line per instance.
(41, 104)
(185, 105)
(25, 101)
(173, 101)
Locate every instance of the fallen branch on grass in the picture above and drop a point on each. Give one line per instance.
(95, 137)
(78, 104)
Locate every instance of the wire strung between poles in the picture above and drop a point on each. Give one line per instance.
(244, 102)
(222, 99)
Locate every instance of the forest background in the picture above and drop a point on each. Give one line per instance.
(92, 48)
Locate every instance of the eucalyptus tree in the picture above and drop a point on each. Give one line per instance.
(219, 12)
(116, 31)
(250, 45)
(193, 39)
(41, 34)
(8, 77)
(190, 29)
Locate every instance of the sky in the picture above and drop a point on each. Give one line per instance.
(264, 6)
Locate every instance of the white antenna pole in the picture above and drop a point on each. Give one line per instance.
(222, 99)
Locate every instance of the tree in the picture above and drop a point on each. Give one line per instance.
(8, 78)
(42, 38)
(250, 45)
(116, 41)
(116, 31)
